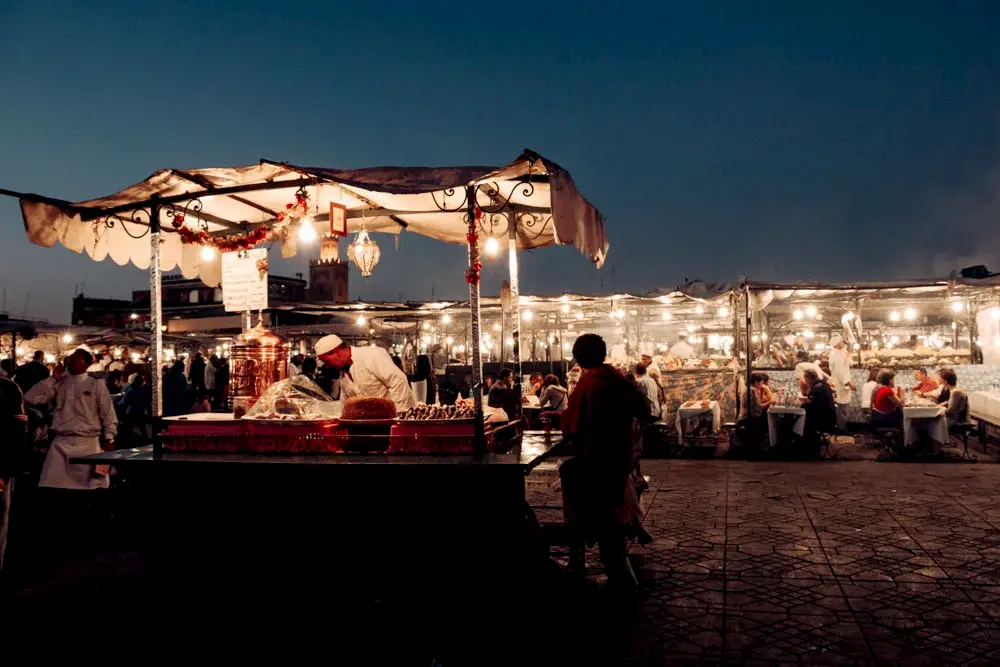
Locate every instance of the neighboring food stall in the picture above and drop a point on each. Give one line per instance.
(903, 326)
(433, 502)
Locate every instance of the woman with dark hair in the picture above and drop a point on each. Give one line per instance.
(868, 391)
(958, 401)
(553, 400)
(423, 381)
(887, 408)
(599, 423)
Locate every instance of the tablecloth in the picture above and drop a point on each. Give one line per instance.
(775, 413)
(936, 421)
(686, 412)
(985, 405)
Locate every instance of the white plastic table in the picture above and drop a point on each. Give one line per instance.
(933, 414)
(776, 412)
(686, 412)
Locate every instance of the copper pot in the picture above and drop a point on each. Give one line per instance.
(258, 359)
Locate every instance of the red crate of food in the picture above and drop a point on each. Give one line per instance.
(434, 436)
(208, 424)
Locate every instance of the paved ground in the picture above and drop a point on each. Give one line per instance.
(768, 563)
(820, 563)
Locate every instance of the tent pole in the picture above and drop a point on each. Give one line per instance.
(155, 307)
(479, 442)
(749, 342)
(515, 301)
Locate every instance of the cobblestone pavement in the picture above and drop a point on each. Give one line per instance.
(819, 563)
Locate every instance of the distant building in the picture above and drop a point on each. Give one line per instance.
(328, 275)
(189, 305)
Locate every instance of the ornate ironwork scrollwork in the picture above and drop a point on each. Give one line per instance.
(529, 221)
(491, 222)
(497, 201)
(139, 216)
(180, 213)
(450, 192)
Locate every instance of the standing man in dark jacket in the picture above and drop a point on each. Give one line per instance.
(31, 373)
(197, 374)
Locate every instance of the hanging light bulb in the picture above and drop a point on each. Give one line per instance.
(699, 309)
(910, 314)
(306, 231)
(528, 316)
(364, 253)
(811, 311)
(957, 307)
(207, 253)
(666, 316)
(565, 308)
(894, 316)
(798, 315)
(723, 312)
(579, 315)
(492, 247)
(361, 320)
(67, 338)
(446, 319)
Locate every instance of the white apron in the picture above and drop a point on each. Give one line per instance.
(59, 473)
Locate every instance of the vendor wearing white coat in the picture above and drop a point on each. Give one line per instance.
(85, 423)
(366, 371)
(840, 378)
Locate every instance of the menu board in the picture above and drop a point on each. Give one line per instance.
(244, 280)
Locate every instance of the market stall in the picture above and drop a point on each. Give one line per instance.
(185, 218)
(903, 326)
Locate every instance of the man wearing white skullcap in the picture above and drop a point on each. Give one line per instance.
(366, 371)
(840, 377)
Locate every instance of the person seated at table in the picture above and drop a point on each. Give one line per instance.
(537, 380)
(765, 391)
(503, 395)
(868, 391)
(925, 386)
(802, 366)
(887, 408)
(552, 401)
(821, 412)
(944, 394)
(957, 411)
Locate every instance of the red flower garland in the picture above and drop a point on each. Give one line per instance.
(472, 274)
(300, 208)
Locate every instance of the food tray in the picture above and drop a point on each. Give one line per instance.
(437, 436)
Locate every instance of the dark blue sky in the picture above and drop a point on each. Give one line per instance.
(780, 140)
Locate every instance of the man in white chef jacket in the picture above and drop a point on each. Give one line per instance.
(84, 423)
(366, 371)
(840, 378)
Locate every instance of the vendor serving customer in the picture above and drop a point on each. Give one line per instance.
(366, 371)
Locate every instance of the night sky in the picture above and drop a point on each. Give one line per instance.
(779, 140)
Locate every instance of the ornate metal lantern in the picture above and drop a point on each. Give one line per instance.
(364, 253)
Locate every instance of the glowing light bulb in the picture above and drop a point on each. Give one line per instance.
(723, 312)
(808, 334)
(496, 326)
(565, 308)
(446, 319)
(306, 232)
(910, 314)
(133, 316)
(699, 309)
(207, 253)
(957, 307)
(691, 328)
(579, 316)
(427, 325)
(528, 316)
(67, 338)
(763, 336)
(361, 320)
(666, 316)
(492, 247)
(798, 315)
(894, 316)
(857, 346)
(811, 311)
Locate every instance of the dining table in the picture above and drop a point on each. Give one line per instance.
(777, 414)
(698, 409)
(925, 413)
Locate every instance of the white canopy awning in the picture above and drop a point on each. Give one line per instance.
(431, 201)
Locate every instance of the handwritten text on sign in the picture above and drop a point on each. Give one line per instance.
(244, 280)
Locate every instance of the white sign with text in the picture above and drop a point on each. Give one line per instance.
(244, 280)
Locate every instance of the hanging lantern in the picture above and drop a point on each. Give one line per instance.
(364, 253)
